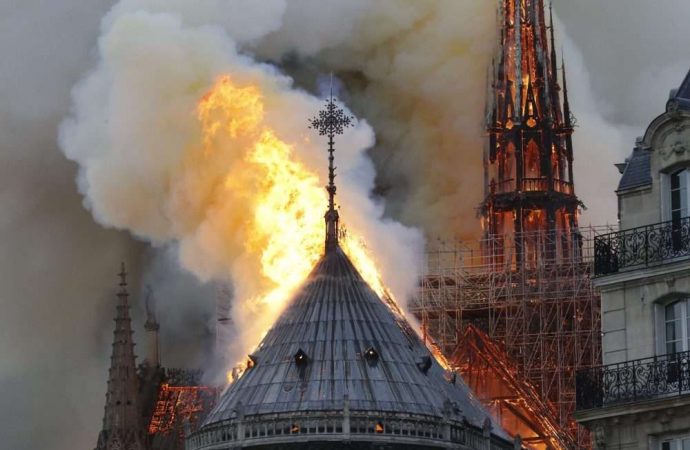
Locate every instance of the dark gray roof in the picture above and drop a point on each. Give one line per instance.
(680, 98)
(334, 319)
(637, 170)
(684, 90)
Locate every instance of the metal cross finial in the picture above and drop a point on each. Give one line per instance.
(330, 122)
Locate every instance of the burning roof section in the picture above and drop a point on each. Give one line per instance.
(340, 365)
(495, 379)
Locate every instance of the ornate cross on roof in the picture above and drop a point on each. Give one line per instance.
(330, 122)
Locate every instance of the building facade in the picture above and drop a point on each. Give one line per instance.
(640, 397)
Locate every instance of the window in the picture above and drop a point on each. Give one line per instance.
(677, 327)
(679, 205)
(676, 444)
(679, 195)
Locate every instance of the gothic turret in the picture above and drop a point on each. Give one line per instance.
(122, 422)
(530, 195)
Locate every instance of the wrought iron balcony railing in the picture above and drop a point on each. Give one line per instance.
(642, 247)
(633, 381)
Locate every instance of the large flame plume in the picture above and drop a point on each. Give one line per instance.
(197, 148)
(283, 200)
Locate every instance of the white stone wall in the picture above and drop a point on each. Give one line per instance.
(633, 302)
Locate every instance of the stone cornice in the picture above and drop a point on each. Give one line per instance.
(665, 405)
(644, 275)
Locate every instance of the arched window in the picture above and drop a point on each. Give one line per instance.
(677, 326)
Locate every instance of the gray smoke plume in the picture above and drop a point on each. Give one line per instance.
(58, 266)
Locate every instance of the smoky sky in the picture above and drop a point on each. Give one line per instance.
(57, 266)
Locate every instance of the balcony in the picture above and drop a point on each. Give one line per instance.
(642, 247)
(633, 381)
(531, 185)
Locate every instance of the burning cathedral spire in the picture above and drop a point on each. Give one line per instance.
(340, 369)
(529, 160)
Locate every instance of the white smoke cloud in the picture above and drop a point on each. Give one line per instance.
(56, 266)
(598, 143)
(417, 71)
(136, 138)
(424, 64)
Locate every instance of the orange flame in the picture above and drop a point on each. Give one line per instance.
(285, 225)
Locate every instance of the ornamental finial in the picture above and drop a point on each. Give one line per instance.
(330, 122)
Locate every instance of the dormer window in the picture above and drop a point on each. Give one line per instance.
(371, 355)
(424, 364)
(301, 358)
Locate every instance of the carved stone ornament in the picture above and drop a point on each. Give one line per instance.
(676, 149)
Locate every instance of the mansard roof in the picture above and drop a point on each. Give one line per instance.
(637, 172)
(338, 350)
(683, 93)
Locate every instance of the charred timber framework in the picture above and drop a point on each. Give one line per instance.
(544, 316)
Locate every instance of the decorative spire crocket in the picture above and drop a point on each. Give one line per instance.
(331, 121)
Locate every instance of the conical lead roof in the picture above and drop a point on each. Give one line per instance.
(340, 366)
(355, 349)
(339, 351)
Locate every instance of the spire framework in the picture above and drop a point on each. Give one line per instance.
(331, 121)
(529, 185)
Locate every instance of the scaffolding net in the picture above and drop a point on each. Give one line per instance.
(534, 302)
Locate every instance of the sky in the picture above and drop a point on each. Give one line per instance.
(58, 266)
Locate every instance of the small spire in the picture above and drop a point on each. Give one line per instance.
(330, 122)
(152, 326)
(554, 61)
(123, 278)
(151, 323)
(566, 104)
(518, 61)
(122, 418)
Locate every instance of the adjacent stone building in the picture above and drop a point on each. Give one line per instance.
(640, 398)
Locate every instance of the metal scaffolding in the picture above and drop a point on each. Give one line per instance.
(543, 312)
